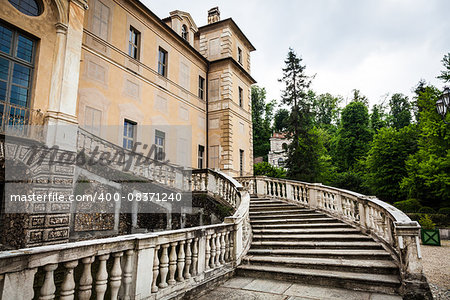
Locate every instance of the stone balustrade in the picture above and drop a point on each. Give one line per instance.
(139, 266)
(382, 221)
(165, 173)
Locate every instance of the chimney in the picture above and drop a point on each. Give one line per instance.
(213, 15)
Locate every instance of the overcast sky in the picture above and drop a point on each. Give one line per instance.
(376, 46)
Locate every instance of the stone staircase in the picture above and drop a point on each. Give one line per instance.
(303, 245)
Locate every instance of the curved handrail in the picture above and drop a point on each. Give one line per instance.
(379, 219)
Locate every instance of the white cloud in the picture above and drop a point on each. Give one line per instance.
(377, 46)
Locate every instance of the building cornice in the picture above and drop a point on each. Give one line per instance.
(233, 24)
(237, 65)
(172, 32)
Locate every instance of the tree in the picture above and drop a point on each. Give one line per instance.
(386, 161)
(400, 111)
(302, 156)
(266, 169)
(326, 110)
(281, 120)
(428, 169)
(262, 114)
(445, 74)
(353, 137)
(377, 117)
(358, 97)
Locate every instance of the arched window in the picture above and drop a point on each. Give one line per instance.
(284, 146)
(184, 32)
(28, 7)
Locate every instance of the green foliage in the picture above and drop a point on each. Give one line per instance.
(428, 170)
(408, 206)
(358, 97)
(441, 220)
(266, 169)
(281, 120)
(445, 74)
(427, 210)
(386, 161)
(262, 114)
(444, 211)
(224, 211)
(400, 111)
(377, 118)
(350, 180)
(426, 222)
(353, 138)
(326, 110)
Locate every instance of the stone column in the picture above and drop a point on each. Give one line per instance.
(144, 257)
(414, 282)
(61, 116)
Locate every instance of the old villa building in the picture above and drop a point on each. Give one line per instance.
(106, 64)
(110, 75)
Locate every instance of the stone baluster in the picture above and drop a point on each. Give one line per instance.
(227, 246)
(102, 277)
(217, 259)
(212, 263)
(68, 284)
(116, 276)
(207, 252)
(195, 257)
(187, 269)
(172, 263)
(48, 288)
(222, 248)
(164, 266)
(181, 261)
(232, 251)
(85, 288)
(128, 274)
(155, 269)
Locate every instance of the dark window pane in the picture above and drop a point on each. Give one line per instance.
(4, 69)
(5, 39)
(2, 91)
(19, 95)
(28, 7)
(21, 75)
(24, 48)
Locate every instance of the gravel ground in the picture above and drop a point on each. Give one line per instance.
(436, 265)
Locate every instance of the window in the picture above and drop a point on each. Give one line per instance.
(214, 89)
(201, 87)
(240, 55)
(100, 20)
(184, 32)
(214, 157)
(28, 7)
(162, 62)
(241, 162)
(201, 155)
(184, 75)
(160, 141)
(280, 162)
(129, 134)
(92, 120)
(214, 47)
(240, 97)
(16, 67)
(133, 43)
